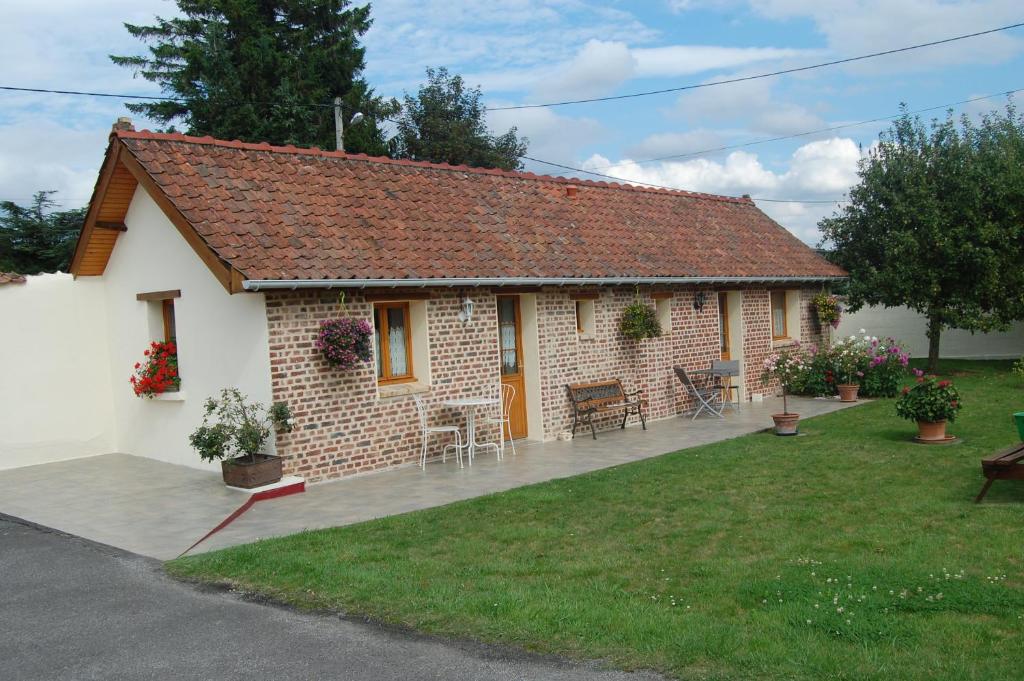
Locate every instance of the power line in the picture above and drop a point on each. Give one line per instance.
(742, 79)
(833, 128)
(157, 97)
(662, 186)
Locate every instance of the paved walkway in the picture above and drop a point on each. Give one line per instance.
(75, 610)
(159, 509)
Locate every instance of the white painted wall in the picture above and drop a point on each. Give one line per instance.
(55, 392)
(910, 327)
(222, 339)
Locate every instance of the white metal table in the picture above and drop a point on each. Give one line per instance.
(469, 405)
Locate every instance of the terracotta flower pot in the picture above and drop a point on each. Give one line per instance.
(786, 424)
(931, 430)
(848, 392)
(266, 470)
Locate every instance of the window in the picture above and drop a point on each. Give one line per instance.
(663, 310)
(392, 338)
(779, 326)
(585, 316)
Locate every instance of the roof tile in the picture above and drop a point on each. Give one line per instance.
(291, 213)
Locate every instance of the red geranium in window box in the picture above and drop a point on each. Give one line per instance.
(158, 372)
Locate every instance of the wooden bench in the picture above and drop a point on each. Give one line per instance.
(600, 397)
(1004, 465)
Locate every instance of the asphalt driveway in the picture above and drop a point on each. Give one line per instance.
(72, 609)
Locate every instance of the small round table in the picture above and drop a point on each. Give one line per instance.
(469, 405)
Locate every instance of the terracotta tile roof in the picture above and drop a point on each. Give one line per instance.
(290, 213)
(11, 278)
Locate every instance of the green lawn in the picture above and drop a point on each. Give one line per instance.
(847, 553)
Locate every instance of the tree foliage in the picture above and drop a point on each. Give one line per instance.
(36, 238)
(262, 70)
(936, 223)
(446, 123)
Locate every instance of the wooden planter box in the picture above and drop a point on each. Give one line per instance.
(240, 473)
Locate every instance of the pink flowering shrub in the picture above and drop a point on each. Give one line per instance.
(345, 343)
(788, 366)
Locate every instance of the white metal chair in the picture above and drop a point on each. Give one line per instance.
(427, 430)
(506, 394)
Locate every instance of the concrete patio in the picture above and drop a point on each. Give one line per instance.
(160, 509)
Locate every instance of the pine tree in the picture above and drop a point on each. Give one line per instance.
(36, 239)
(262, 70)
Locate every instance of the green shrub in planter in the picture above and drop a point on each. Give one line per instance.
(930, 400)
(233, 428)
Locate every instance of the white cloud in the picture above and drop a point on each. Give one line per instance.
(681, 60)
(552, 136)
(820, 170)
(671, 143)
(597, 69)
(752, 104)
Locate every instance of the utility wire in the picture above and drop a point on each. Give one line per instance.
(157, 97)
(662, 186)
(742, 79)
(833, 128)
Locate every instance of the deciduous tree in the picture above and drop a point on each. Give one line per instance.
(446, 123)
(936, 223)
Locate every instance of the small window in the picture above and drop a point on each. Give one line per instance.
(663, 309)
(584, 317)
(779, 328)
(392, 337)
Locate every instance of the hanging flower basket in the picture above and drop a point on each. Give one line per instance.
(345, 343)
(828, 309)
(640, 321)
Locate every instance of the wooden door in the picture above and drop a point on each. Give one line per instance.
(510, 341)
(725, 338)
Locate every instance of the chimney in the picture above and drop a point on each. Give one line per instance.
(123, 124)
(570, 190)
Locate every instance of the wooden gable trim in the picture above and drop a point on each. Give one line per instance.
(159, 295)
(116, 226)
(220, 269)
(106, 172)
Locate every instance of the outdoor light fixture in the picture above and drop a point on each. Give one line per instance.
(699, 299)
(357, 118)
(466, 315)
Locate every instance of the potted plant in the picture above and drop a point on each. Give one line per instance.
(639, 321)
(235, 432)
(345, 342)
(788, 367)
(158, 372)
(931, 403)
(850, 359)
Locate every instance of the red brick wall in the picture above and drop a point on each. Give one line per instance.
(344, 427)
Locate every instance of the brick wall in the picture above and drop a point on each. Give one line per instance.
(343, 426)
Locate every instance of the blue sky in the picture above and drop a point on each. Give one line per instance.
(529, 51)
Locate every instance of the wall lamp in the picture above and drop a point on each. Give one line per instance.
(466, 314)
(699, 300)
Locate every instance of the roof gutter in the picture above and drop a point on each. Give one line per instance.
(293, 284)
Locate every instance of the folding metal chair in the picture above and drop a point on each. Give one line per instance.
(708, 396)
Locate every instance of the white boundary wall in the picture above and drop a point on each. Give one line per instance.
(55, 393)
(67, 348)
(910, 327)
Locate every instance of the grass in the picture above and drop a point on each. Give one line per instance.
(849, 553)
